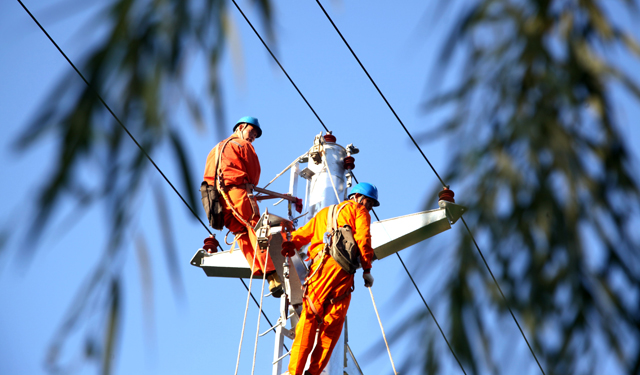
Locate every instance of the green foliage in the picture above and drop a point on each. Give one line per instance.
(548, 179)
(139, 67)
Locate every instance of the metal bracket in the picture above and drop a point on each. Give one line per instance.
(263, 232)
(307, 173)
(316, 151)
(197, 257)
(454, 211)
(351, 149)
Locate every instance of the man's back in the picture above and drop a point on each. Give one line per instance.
(239, 163)
(352, 214)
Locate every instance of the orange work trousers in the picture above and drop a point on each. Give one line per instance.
(327, 284)
(245, 237)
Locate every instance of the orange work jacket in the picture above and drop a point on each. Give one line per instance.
(354, 215)
(239, 163)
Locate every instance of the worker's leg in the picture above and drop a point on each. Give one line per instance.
(331, 329)
(246, 242)
(303, 343)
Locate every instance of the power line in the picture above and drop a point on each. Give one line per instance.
(318, 117)
(280, 65)
(437, 175)
(130, 135)
(382, 95)
(112, 113)
(423, 300)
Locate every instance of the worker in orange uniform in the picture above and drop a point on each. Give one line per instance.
(235, 165)
(329, 286)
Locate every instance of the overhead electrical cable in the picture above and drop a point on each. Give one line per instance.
(130, 135)
(382, 95)
(422, 297)
(280, 65)
(437, 175)
(113, 114)
(318, 117)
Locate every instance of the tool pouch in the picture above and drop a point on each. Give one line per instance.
(342, 246)
(212, 206)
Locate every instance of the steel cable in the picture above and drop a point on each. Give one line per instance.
(381, 94)
(437, 175)
(280, 65)
(130, 135)
(95, 92)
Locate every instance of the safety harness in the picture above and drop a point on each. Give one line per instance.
(211, 198)
(340, 245)
(340, 242)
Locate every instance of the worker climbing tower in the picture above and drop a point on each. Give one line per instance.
(325, 170)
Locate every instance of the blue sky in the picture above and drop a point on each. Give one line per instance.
(199, 333)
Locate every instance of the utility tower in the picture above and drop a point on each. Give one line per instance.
(325, 173)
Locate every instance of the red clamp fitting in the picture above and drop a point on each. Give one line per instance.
(349, 163)
(288, 249)
(211, 244)
(299, 205)
(446, 195)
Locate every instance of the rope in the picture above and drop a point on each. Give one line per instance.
(246, 309)
(257, 304)
(423, 300)
(255, 348)
(314, 112)
(437, 175)
(294, 85)
(382, 329)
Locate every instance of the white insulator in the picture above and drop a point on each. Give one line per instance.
(323, 190)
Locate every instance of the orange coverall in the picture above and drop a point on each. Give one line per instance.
(330, 282)
(239, 165)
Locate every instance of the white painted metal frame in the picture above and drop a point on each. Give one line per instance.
(387, 237)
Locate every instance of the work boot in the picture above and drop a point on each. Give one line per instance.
(275, 285)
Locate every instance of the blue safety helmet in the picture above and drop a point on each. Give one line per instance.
(368, 190)
(251, 121)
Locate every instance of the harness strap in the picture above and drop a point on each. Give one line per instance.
(222, 188)
(254, 205)
(331, 301)
(332, 224)
(218, 158)
(316, 314)
(319, 257)
(332, 215)
(340, 297)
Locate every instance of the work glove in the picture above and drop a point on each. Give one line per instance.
(368, 278)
